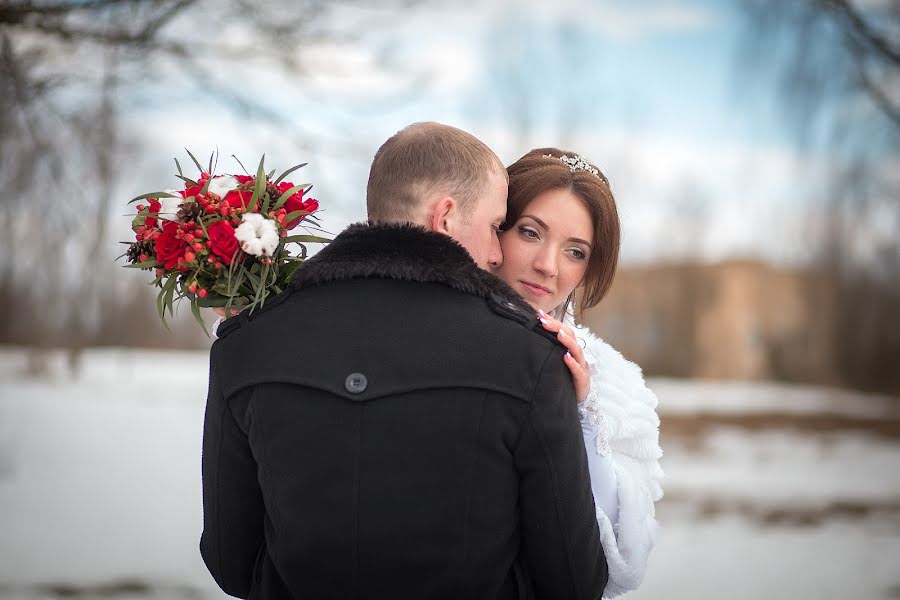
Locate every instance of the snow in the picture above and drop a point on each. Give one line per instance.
(734, 397)
(100, 486)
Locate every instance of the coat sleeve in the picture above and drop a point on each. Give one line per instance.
(560, 536)
(233, 509)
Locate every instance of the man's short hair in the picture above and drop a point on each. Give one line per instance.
(424, 159)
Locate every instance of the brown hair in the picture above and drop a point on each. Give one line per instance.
(426, 158)
(536, 173)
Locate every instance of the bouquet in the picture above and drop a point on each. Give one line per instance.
(221, 240)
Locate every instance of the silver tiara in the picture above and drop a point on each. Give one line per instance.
(576, 163)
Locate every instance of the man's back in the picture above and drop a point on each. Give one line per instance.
(408, 437)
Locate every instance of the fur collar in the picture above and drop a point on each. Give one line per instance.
(404, 252)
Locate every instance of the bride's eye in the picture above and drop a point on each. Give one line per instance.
(528, 232)
(578, 253)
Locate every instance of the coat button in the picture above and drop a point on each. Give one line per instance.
(356, 383)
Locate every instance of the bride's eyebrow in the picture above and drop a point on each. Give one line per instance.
(544, 225)
(535, 219)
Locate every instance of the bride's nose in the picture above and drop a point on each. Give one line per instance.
(546, 262)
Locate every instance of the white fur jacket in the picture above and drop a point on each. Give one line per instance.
(622, 411)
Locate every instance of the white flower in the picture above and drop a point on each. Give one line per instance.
(222, 184)
(257, 235)
(168, 206)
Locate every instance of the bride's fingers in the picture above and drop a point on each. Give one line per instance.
(554, 325)
(568, 340)
(580, 377)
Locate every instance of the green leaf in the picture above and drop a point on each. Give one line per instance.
(187, 180)
(164, 298)
(170, 292)
(284, 198)
(261, 292)
(178, 166)
(154, 195)
(213, 301)
(159, 304)
(293, 215)
(314, 239)
(195, 310)
(289, 171)
(288, 271)
(270, 174)
(211, 156)
(254, 280)
(147, 264)
(193, 158)
(260, 186)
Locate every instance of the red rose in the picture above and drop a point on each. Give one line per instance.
(222, 242)
(237, 198)
(169, 249)
(296, 202)
(154, 208)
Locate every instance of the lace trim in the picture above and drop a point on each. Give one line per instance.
(590, 409)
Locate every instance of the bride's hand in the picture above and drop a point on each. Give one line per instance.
(574, 358)
(221, 311)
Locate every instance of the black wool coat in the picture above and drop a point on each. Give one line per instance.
(397, 425)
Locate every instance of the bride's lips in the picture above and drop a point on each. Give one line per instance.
(536, 289)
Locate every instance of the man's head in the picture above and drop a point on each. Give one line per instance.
(444, 179)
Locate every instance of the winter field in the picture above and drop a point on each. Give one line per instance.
(771, 492)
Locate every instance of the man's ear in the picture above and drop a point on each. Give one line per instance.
(443, 214)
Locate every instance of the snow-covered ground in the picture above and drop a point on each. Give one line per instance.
(772, 491)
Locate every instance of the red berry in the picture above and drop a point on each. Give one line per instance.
(189, 256)
(198, 246)
(189, 238)
(192, 288)
(144, 257)
(202, 293)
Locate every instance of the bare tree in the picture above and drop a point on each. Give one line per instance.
(836, 66)
(65, 67)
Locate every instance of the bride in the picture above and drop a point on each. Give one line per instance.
(561, 234)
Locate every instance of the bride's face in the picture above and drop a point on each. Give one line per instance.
(546, 251)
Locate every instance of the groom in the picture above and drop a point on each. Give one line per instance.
(398, 424)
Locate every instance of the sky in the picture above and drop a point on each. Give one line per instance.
(653, 92)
